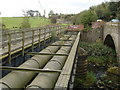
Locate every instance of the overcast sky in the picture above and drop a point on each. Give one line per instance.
(11, 8)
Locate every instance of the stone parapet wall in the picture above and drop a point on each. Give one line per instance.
(92, 36)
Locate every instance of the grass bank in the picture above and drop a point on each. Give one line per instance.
(15, 22)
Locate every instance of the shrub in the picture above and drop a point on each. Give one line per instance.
(99, 53)
(53, 19)
(90, 80)
(25, 23)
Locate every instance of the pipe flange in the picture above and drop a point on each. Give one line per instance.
(32, 87)
(48, 50)
(6, 87)
(35, 60)
(56, 61)
(64, 50)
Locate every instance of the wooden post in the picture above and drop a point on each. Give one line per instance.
(23, 42)
(44, 34)
(55, 33)
(49, 33)
(58, 32)
(32, 40)
(61, 29)
(9, 48)
(39, 36)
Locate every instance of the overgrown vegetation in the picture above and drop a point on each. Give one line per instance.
(85, 18)
(85, 82)
(100, 54)
(102, 68)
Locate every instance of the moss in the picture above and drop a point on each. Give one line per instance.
(113, 70)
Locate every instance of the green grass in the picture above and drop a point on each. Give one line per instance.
(11, 22)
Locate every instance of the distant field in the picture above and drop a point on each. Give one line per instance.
(11, 22)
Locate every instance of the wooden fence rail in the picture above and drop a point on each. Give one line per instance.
(13, 38)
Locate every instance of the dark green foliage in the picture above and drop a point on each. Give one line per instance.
(86, 82)
(90, 79)
(25, 23)
(97, 49)
(118, 16)
(87, 28)
(85, 18)
(114, 8)
(105, 11)
(100, 54)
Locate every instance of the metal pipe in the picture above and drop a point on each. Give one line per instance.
(48, 80)
(17, 79)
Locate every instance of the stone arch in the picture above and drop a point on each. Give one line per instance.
(109, 41)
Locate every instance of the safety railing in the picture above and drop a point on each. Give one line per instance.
(18, 39)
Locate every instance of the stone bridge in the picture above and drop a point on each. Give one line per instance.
(111, 37)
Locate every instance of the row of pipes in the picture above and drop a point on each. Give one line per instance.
(20, 79)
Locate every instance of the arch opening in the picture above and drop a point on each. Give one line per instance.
(109, 42)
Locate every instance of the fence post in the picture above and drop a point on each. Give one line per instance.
(53, 32)
(23, 42)
(39, 36)
(58, 32)
(9, 48)
(44, 34)
(62, 32)
(32, 40)
(49, 33)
